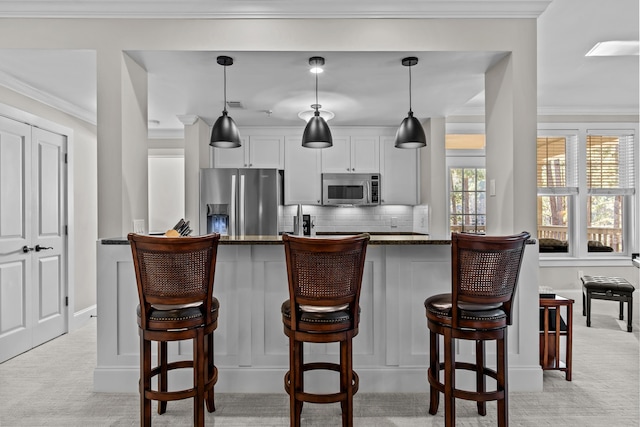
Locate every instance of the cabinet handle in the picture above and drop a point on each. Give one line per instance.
(354, 169)
(250, 164)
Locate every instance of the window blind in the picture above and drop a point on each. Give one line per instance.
(610, 163)
(556, 164)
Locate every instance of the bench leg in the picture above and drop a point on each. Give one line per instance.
(621, 317)
(629, 311)
(588, 308)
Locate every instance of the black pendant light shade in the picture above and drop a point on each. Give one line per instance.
(317, 133)
(410, 134)
(225, 133)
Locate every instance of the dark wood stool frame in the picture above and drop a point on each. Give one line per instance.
(175, 287)
(485, 272)
(610, 289)
(325, 274)
(547, 334)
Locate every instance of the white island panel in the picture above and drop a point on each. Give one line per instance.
(251, 351)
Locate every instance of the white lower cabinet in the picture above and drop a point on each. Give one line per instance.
(400, 174)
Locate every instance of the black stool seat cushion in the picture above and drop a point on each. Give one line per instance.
(188, 317)
(603, 283)
(439, 310)
(309, 320)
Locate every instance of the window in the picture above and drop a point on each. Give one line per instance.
(467, 195)
(557, 181)
(585, 201)
(467, 178)
(610, 187)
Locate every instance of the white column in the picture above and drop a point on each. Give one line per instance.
(433, 175)
(122, 143)
(197, 153)
(511, 121)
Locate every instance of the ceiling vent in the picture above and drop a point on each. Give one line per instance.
(237, 105)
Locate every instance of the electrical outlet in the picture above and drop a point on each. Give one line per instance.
(394, 221)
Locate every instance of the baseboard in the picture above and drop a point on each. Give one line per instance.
(113, 379)
(82, 317)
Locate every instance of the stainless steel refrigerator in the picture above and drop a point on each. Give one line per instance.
(239, 202)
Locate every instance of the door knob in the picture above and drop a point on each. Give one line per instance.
(41, 248)
(26, 249)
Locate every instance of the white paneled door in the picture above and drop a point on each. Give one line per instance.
(33, 276)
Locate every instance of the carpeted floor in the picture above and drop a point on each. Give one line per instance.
(52, 386)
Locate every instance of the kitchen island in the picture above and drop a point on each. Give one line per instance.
(391, 351)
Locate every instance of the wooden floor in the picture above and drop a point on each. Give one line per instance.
(52, 386)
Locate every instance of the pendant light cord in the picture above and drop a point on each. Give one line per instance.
(225, 89)
(316, 91)
(410, 89)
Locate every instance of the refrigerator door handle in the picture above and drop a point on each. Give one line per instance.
(232, 214)
(241, 205)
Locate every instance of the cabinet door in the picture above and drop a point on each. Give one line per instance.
(337, 159)
(231, 157)
(365, 154)
(302, 173)
(266, 152)
(400, 174)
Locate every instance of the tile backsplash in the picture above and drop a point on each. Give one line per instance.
(387, 219)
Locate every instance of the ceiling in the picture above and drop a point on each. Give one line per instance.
(361, 88)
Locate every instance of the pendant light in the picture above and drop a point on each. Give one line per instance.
(225, 133)
(410, 134)
(317, 133)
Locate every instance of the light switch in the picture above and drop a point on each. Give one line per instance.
(492, 187)
(138, 226)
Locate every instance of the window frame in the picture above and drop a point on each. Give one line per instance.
(470, 159)
(572, 192)
(631, 222)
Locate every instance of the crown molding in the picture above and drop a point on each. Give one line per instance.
(12, 83)
(188, 119)
(255, 9)
(586, 111)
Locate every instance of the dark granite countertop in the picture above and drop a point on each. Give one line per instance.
(376, 239)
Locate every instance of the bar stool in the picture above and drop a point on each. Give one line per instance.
(325, 277)
(484, 272)
(175, 287)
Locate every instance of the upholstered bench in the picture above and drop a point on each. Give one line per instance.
(607, 288)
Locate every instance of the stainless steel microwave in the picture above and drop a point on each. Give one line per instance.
(350, 189)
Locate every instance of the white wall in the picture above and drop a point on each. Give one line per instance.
(166, 190)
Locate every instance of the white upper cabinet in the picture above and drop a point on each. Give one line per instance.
(258, 152)
(400, 174)
(302, 179)
(230, 157)
(355, 154)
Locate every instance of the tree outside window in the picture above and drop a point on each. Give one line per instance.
(467, 200)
